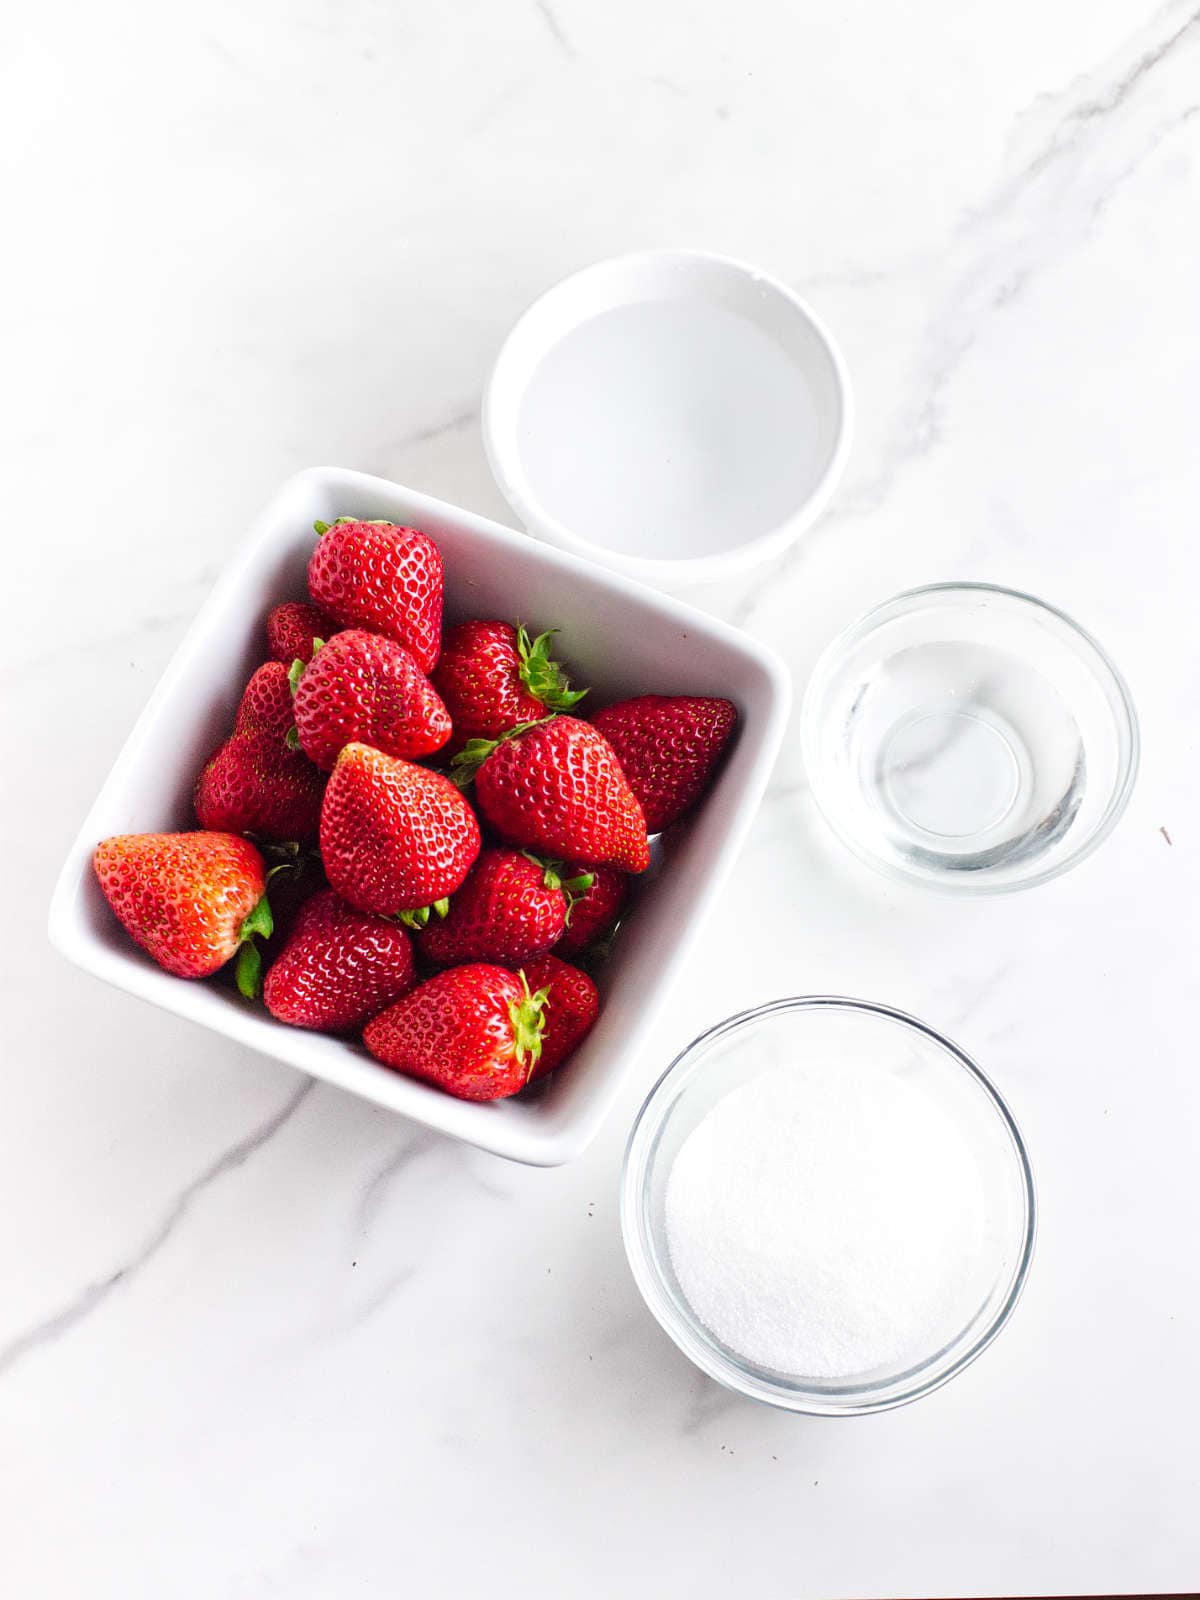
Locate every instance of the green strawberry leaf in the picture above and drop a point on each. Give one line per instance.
(475, 752)
(551, 870)
(260, 921)
(249, 972)
(286, 852)
(542, 675)
(469, 759)
(575, 889)
(528, 1020)
(322, 528)
(295, 673)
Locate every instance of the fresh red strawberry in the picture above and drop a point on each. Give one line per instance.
(595, 909)
(669, 746)
(511, 907)
(558, 788)
(375, 575)
(568, 1013)
(189, 899)
(492, 677)
(394, 836)
(292, 630)
(339, 967)
(475, 1031)
(255, 783)
(363, 688)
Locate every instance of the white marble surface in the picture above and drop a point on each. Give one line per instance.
(259, 1339)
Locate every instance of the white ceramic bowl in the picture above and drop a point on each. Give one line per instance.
(620, 637)
(676, 415)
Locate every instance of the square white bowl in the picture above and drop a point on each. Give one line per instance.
(620, 637)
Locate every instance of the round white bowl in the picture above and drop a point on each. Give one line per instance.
(676, 415)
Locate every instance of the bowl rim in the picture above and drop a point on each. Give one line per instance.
(1128, 729)
(514, 485)
(689, 1336)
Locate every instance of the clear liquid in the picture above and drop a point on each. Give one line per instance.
(691, 430)
(965, 756)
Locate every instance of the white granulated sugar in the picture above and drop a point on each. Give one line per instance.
(823, 1220)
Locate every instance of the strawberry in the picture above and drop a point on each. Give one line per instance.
(292, 630)
(595, 909)
(512, 906)
(556, 787)
(669, 746)
(375, 575)
(189, 899)
(492, 677)
(254, 783)
(474, 1031)
(363, 688)
(394, 836)
(568, 1012)
(338, 967)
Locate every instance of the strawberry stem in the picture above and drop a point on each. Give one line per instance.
(551, 870)
(527, 1016)
(259, 924)
(419, 916)
(260, 921)
(249, 972)
(476, 751)
(542, 675)
(575, 889)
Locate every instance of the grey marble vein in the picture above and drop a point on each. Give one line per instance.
(373, 1303)
(661, 81)
(141, 627)
(94, 1294)
(375, 1190)
(555, 29)
(1032, 229)
(454, 424)
(1168, 130)
(1110, 96)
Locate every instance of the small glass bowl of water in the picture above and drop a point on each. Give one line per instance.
(969, 738)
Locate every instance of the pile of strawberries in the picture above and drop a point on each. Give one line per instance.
(398, 907)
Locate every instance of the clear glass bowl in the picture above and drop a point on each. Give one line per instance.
(732, 1053)
(969, 738)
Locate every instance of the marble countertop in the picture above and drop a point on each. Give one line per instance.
(257, 1338)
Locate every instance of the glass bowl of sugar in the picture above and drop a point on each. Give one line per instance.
(828, 1206)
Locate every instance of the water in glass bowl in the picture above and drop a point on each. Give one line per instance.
(968, 736)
